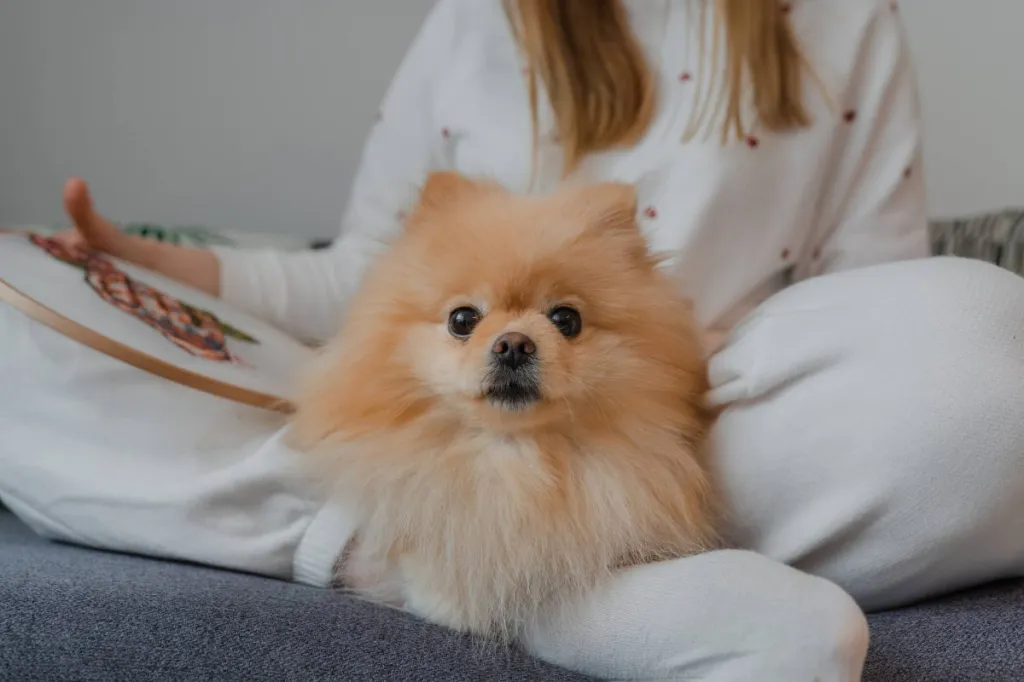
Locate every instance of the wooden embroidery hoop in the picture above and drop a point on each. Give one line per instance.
(134, 357)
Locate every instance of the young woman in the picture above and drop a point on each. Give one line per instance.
(871, 443)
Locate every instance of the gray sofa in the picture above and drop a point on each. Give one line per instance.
(80, 615)
(74, 614)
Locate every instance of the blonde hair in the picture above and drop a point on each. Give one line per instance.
(602, 90)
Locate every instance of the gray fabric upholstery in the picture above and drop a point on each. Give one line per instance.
(993, 237)
(977, 636)
(68, 613)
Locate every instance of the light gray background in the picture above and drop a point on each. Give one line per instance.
(250, 114)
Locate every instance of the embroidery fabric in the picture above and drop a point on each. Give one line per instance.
(196, 331)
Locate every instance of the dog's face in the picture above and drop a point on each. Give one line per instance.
(516, 312)
(515, 402)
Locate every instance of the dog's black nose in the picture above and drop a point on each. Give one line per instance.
(513, 349)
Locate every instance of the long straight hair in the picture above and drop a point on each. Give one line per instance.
(602, 91)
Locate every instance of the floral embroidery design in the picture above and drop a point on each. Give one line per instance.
(196, 331)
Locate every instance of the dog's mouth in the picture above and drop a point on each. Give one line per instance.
(513, 391)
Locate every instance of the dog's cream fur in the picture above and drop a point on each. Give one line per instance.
(483, 518)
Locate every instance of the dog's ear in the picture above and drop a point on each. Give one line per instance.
(610, 206)
(443, 187)
(610, 210)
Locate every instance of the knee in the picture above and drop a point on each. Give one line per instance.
(970, 331)
(725, 616)
(793, 626)
(945, 325)
(818, 633)
(961, 271)
(824, 638)
(971, 294)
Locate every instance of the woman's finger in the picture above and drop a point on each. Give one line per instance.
(93, 228)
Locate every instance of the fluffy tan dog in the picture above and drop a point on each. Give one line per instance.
(515, 407)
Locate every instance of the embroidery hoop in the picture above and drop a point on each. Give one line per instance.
(28, 288)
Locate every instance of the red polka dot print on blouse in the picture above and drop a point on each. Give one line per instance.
(650, 212)
(850, 115)
(784, 254)
(816, 254)
(446, 133)
(908, 171)
(685, 76)
(753, 141)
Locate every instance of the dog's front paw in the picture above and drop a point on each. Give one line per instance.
(435, 608)
(425, 597)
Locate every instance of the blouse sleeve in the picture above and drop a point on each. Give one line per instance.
(305, 293)
(873, 209)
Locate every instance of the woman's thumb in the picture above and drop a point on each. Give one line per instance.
(96, 230)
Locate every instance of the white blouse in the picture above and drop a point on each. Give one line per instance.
(738, 221)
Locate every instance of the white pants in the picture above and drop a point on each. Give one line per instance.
(874, 437)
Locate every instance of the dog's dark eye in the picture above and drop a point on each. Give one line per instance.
(567, 320)
(462, 321)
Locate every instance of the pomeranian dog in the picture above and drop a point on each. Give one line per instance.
(514, 407)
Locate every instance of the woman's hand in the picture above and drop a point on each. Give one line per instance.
(196, 267)
(713, 340)
(90, 229)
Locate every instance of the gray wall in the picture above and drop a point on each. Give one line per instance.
(244, 114)
(249, 114)
(969, 55)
